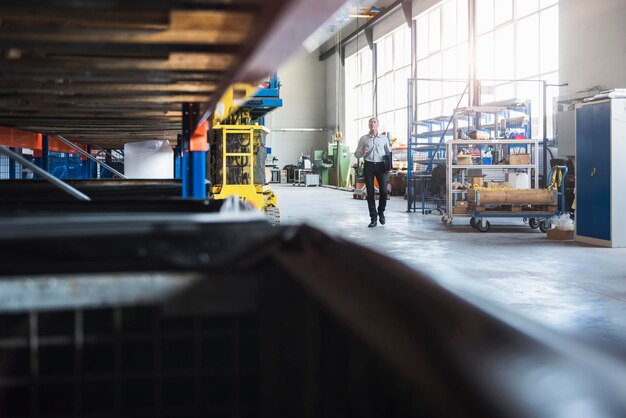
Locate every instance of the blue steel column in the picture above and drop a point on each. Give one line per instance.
(44, 152)
(85, 165)
(42, 161)
(67, 166)
(194, 162)
(177, 158)
(104, 173)
(12, 166)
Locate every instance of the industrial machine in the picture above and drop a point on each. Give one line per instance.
(322, 164)
(340, 173)
(237, 147)
(237, 166)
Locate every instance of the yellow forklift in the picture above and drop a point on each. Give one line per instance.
(237, 150)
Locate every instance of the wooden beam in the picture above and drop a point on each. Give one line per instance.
(187, 62)
(115, 49)
(203, 27)
(96, 101)
(81, 18)
(71, 89)
(81, 114)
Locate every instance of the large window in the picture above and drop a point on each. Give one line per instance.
(517, 40)
(514, 40)
(393, 69)
(442, 53)
(359, 95)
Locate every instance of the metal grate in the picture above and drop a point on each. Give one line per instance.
(421, 197)
(132, 362)
(6, 165)
(65, 165)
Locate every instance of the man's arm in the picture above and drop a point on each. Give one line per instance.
(362, 148)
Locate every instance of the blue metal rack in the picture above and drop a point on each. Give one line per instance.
(266, 99)
(425, 151)
(65, 165)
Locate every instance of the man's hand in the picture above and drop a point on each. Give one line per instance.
(365, 150)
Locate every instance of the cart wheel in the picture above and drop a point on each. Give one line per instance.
(543, 226)
(443, 219)
(481, 228)
(533, 223)
(448, 222)
(473, 222)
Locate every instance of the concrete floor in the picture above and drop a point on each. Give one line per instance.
(575, 289)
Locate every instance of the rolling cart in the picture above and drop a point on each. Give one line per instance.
(535, 219)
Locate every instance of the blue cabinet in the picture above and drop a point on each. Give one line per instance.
(600, 172)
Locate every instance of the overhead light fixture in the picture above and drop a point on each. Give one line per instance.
(366, 12)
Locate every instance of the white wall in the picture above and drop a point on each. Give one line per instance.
(592, 44)
(303, 90)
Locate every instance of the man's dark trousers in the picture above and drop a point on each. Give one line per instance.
(378, 170)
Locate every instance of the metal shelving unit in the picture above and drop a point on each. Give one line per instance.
(456, 171)
(506, 120)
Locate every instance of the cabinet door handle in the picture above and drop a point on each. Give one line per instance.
(594, 172)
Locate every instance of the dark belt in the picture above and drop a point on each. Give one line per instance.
(372, 162)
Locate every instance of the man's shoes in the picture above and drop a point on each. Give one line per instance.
(381, 218)
(372, 224)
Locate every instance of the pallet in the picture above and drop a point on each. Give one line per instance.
(521, 209)
(516, 197)
(511, 208)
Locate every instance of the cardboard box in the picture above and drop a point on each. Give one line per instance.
(559, 234)
(398, 185)
(461, 203)
(460, 210)
(478, 181)
(519, 159)
(464, 159)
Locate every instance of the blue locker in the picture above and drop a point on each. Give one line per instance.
(593, 206)
(600, 152)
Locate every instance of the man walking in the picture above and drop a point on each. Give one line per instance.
(372, 148)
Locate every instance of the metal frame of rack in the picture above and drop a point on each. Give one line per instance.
(451, 148)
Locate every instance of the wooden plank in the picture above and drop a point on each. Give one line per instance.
(93, 122)
(525, 213)
(121, 77)
(82, 18)
(97, 101)
(67, 107)
(512, 208)
(69, 89)
(81, 114)
(513, 196)
(116, 49)
(176, 61)
(193, 26)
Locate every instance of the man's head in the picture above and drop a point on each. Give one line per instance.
(373, 125)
